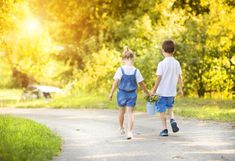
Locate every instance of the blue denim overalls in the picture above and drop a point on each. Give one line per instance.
(127, 87)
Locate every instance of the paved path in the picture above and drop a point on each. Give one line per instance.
(92, 135)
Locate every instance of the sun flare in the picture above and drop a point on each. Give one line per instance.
(32, 26)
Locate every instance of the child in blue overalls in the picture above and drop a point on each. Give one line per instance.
(127, 79)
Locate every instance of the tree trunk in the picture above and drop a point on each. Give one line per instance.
(201, 90)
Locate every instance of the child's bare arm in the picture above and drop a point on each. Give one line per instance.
(115, 84)
(180, 81)
(157, 82)
(143, 87)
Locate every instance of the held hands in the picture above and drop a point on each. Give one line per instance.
(146, 93)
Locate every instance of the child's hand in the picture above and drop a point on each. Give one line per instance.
(110, 96)
(146, 93)
(181, 92)
(149, 93)
(152, 93)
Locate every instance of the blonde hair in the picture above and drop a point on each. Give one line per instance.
(127, 53)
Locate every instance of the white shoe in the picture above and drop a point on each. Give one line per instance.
(129, 136)
(122, 131)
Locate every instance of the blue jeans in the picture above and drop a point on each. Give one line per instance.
(126, 98)
(164, 103)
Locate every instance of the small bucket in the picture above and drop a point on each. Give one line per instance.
(150, 107)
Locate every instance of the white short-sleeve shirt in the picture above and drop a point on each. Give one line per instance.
(128, 70)
(169, 69)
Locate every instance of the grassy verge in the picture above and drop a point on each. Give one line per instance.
(207, 109)
(26, 140)
(200, 108)
(78, 100)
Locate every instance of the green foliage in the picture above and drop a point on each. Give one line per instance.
(193, 6)
(80, 42)
(207, 67)
(98, 72)
(23, 139)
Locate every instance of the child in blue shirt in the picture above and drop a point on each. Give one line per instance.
(168, 75)
(127, 79)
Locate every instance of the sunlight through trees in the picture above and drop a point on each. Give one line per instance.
(60, 42)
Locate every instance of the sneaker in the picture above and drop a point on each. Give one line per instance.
(122, 131)
(129, 136)
(164, 132)
(174, 125)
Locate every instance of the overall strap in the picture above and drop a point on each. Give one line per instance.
(135, 72)
(122, 71)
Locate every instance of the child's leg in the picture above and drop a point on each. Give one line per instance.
(171, 113)
(164, 132)
(122, 111)
(173, 123)
(163, 120)
(130, 117)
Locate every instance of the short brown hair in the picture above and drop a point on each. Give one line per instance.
(127, 53)
(168, 46)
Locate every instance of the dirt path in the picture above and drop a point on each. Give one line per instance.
(94, 135)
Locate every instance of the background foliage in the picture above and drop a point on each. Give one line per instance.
(79, 43)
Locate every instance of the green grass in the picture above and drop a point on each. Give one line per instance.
(200, 108)
(206, 109)
(25, 140)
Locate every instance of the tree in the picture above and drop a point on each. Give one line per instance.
(209, 48)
